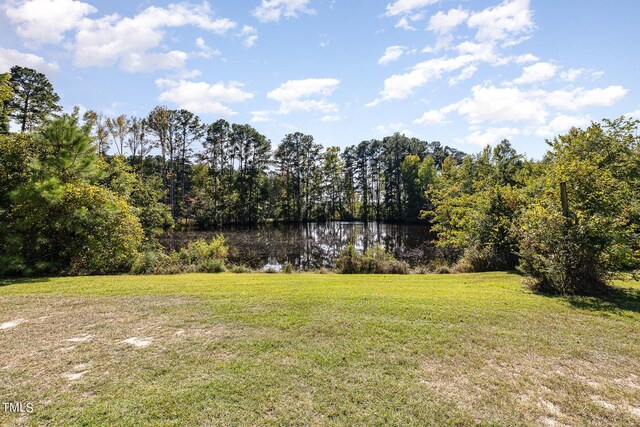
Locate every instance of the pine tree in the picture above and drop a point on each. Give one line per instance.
(34, 100)
(6, 95)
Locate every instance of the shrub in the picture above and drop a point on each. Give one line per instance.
(374, 260)
(211, 266)
(287, 268)
(240, 268)
(198, 256)
(146, 262)
(54, 218)
(73, 229)
(478, 259)
(102, 234)
(575, 248)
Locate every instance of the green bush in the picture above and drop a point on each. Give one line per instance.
(73, 229)
(374, 260)
(240, 269)
(54, 218)
(198, 256)
(211, 266)
(577, 248)
(287, 268)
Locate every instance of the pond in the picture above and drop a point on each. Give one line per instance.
(312, 246)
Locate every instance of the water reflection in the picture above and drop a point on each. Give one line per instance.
(314, 245)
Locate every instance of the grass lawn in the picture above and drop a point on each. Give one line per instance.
(308, 349)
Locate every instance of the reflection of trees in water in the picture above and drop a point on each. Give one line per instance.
(313, 245)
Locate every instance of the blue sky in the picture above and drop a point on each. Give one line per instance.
(464, 72)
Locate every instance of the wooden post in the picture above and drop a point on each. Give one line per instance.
(565, 199)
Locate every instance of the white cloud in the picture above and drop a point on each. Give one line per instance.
(432, 117)
(136, 62)
(466, 74)
(444, 23)
(331, 118)
(528, 107)
(201, 97)
(113, 40)
(134, 43)
(393, 128)
(408, 10)
(561, 124)
(509, 19)
(495, 27)
(392, 53)
(577, 99)
(490, 136)
(537, 73)
(403, 23)
(502, 104)
(634, 114)
(298, 95)
(273, 10)
(187, 74)
(523, 59)
(574, 74)
(46, 21)
(404, 7)
(261, 116)
(11, 57)
(400, 86)
(205, 51)
(250, 35)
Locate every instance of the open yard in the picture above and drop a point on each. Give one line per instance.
(308, 349)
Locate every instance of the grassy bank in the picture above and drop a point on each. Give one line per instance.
(309, 349)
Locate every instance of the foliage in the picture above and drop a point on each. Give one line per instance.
(287, 268)
(144, 194)
(75, 228)
(34, 100)
(374, 260)
(59, 221)
(69, 206)
(576, 251)
(6, 95)
(70, 156)
(16, 153)
(198, 256)
(475, 207)
(240, 269)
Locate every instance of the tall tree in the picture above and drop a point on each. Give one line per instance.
(363, 157)
(348, 208)
(118, 130)
(332, 172)
(185, 130)
(159, 125)
(396, 147)
(253, 151)
(98, 130)
(216, 155)
(6, 95)
(34, 100)
(138, 140)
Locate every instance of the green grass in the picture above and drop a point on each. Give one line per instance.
(306, 349)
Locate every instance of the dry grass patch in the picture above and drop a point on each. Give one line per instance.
(308, 349)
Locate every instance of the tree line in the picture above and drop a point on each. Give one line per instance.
(222, 173)
(84, 193)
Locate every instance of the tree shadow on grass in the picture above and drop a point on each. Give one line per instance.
(8, 281)
(615, 300)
